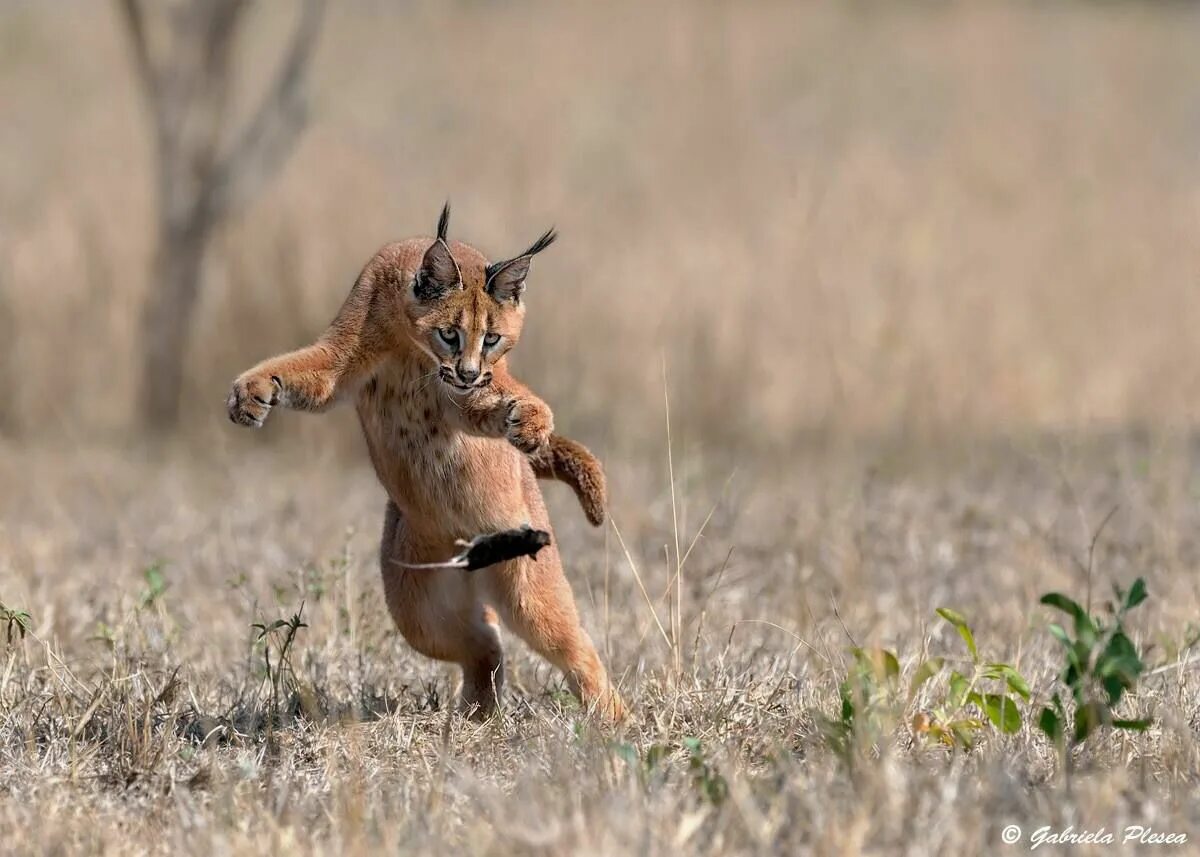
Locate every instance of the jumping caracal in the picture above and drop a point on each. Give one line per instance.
(458, 444)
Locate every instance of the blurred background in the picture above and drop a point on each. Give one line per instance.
(850, 219)
(919, 281)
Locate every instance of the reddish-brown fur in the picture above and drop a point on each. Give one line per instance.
(456, 460)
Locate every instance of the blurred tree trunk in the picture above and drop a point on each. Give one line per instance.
(166, 321)
(183, 53)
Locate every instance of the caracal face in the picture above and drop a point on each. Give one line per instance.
(466, 314)
(464, 330)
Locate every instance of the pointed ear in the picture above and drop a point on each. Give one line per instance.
(506, 280)
(439, 272)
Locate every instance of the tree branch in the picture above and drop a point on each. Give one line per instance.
(272, 131)
(149, 76)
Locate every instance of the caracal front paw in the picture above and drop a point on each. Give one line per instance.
(252, 398)
(529, 425)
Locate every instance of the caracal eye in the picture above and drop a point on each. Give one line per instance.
(491, 339)
(448, 335)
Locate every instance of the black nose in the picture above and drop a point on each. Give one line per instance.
(468, 375)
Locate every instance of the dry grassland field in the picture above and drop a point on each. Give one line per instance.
(869, 309)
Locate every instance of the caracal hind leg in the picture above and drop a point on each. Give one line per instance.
(439, 614)
(483, 675)
(535, 601)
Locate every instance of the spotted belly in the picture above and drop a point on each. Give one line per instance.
(444, 480)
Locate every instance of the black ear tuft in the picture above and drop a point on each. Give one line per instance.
(542, 243)
(444, 222)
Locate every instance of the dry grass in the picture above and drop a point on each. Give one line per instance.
(136, 720)
(869, 241)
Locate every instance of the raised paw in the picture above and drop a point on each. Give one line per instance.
(252, 398)
(529, 425)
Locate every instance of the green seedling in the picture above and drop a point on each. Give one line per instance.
(1101, 665)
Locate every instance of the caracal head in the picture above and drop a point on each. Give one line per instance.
(464, 312)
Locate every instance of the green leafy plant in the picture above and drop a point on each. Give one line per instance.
(280, 635)
(706, 779)
(987, 692)
(16, 622)
(1102, 665)
(644, 764)
(105, 634)
(156, 585)
(868, 697)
